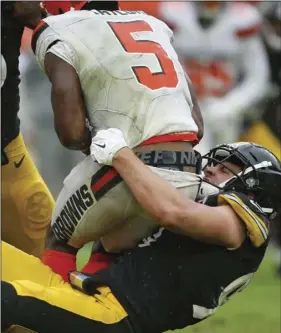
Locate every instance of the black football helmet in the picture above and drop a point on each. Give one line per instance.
(260, 177)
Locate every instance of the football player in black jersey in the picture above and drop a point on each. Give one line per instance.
(26, 201)
(199, 257)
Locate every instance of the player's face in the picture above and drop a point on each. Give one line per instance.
(218, 174)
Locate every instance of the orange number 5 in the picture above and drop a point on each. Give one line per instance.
(167, 77)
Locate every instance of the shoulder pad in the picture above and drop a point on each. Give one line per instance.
(256, 222)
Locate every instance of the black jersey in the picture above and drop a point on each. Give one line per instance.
(11, 34)
(170, 281)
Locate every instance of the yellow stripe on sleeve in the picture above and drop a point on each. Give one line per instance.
(257, 230)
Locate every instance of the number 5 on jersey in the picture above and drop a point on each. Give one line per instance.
(167, 77)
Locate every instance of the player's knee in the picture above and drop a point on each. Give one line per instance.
(36, 207)
(8, 304)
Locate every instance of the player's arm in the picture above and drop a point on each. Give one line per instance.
(218, 225)
(68, 103)
(254, 85)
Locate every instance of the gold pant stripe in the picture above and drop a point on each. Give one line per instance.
(19, 329)
(31, 278)
(254, 224)
(103, 308)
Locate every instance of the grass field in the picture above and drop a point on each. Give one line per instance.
(255, 310)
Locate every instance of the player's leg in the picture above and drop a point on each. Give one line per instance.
(48, 310)
(27, 203)
(18, 265)
(92, 201)
(95, 201)
(79, 216)
(128, 234)
(59, 256)
(139, 224)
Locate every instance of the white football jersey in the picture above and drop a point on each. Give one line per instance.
(218, 57)
(129, 72)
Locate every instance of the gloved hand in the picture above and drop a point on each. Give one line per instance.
(106, 144)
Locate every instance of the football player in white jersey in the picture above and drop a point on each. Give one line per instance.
(114, 69)
(219, 44)
(169, 281)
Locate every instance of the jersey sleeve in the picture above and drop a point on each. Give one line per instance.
(46, 40)
(165, 28)
(250, 213)
(248, 21)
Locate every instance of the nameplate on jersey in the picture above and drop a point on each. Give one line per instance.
(116, 12)
(168, 158)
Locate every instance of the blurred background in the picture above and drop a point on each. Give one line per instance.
(232, 53)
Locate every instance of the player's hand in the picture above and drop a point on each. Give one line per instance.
(106, 144)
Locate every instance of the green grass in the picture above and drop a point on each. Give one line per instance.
(255, 310)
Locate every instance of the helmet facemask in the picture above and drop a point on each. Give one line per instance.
(249, 179)
(225, 153)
